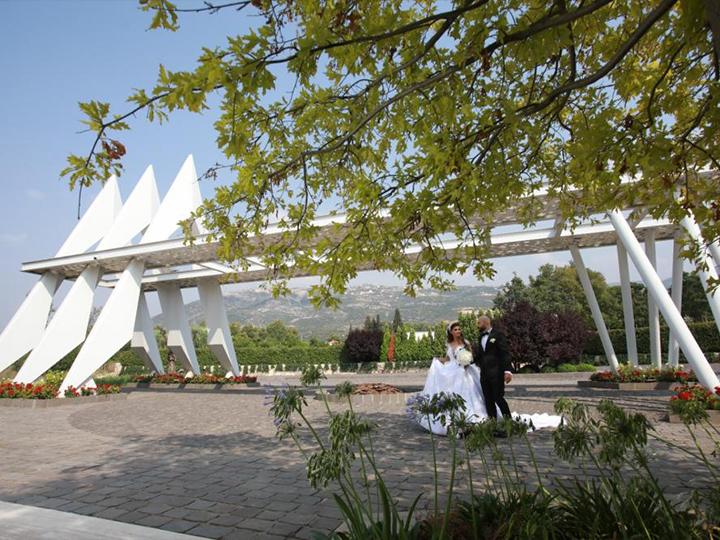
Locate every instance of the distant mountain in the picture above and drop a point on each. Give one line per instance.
(258, 307)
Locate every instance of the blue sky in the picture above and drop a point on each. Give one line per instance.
(55, 53)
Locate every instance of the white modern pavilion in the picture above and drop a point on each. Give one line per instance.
(159, 262)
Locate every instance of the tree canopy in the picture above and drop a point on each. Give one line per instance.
(557, 289)
(422, 120)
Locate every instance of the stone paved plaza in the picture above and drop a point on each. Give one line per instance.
(208, 463)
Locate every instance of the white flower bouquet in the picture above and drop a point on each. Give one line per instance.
(464, 357)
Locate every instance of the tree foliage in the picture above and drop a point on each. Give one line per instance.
(423, 120)
(556, 289)
(362, 345)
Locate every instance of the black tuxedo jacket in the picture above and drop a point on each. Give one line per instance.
(494, 361)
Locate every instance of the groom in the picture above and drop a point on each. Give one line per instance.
(493, 359)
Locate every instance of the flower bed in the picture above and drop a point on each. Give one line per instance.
(202, 378)
(634, 378)
(43, 395)
(692, 403)
(13, 390)
(629, 374)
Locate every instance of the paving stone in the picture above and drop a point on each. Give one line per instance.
(129, 506)
(272, 515)
(155, 508)
(257, 524)
(53, 503)
(89, 509)
(153, 520)
(200, 505)
(131, 517)
(284, 529)
(210, 531)
(178, 525)
(72, 506)
(177, 513)
(110, 513)
(227, 520)
(199, 515)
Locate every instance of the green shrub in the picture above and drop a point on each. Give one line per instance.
(705, 332)
(570, 368)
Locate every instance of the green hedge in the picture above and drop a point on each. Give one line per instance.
(297, 356)
(706, 334)
(288, 355)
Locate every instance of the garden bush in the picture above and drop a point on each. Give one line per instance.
(362, 345)
(705, 332)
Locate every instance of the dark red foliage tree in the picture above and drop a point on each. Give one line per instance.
(362, 345)
(564, 336)
(521, 324)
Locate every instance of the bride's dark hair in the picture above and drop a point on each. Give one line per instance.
(448, 331)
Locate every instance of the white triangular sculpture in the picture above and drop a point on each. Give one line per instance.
(116, 323)
(68, 327)
(25, 329)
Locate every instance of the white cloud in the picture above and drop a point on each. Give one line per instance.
(35, 194)
(13, 238)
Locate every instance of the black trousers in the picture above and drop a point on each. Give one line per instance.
(494, 394)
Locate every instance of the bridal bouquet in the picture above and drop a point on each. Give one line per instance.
(464, 357)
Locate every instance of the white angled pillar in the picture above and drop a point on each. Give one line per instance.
(627, 303)
(179, 334)
(594, 307)
(66, 330)
(653, 313)
(694, 354)
(25, 329)
(705, 267)
(143, 342)
(676, 294)
(112, 329)
(219, 336)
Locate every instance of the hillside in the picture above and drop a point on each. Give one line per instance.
(258, 307)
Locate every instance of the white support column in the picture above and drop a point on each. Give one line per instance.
(67, 328)
(25, 329)
(219, 336)
(676, 294)
(694, 354)
(112, 330)
(594, 307)
(628, 315)
(143, 342)
(714, 250)
(179, 334)
(653, 313)
(705, 274)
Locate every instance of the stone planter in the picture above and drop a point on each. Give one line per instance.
(190, 387)
(713, 418)
(368, 398)
(59, 402)
(636, 386)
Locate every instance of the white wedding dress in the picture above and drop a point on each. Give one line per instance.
(450, 377)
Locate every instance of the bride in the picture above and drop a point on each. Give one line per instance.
(453, 375)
